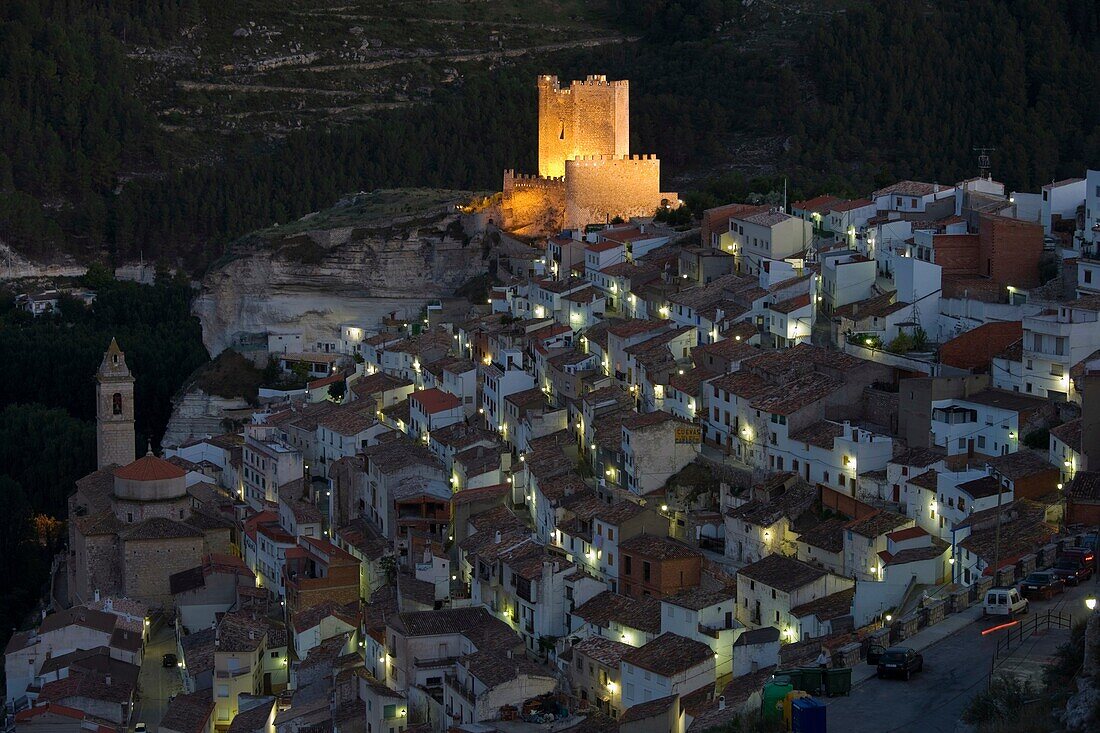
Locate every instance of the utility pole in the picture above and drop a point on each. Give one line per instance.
(997, 535)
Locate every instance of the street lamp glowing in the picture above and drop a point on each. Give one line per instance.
(1090, 603)
(664, 507)
(889, 617)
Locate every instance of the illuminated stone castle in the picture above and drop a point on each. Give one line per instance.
(586, 173)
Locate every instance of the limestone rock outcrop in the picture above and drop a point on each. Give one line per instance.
(370, 255)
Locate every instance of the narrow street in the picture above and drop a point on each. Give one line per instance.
(156, 684)
(955, 669)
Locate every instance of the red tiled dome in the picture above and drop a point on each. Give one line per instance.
(149, 468)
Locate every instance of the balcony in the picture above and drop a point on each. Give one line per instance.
(455, 686)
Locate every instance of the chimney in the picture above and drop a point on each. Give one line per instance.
(107, 679)
(251, 635)
(97, 595)
(721, 702)
(1090, 417)
(496, 538)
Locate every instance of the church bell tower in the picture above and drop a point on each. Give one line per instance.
(115, 438)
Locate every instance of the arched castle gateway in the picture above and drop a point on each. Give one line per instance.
(586, 172)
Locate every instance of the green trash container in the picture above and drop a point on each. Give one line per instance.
(838, 681)
(811, 679)
(793, 675)
(772, 697)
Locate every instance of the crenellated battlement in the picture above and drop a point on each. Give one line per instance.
(648, 157)
(552, 83)
(511, 175)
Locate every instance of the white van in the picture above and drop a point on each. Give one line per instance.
(1004, 602)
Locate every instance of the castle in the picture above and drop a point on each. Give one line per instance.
(586, 172)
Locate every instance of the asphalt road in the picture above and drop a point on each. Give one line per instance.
(157, 684)
(955, 669)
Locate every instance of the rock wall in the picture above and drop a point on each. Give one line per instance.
(197, 414)
(315, 279)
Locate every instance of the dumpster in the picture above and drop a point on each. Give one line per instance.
(788, 705)
(771, 699)
(808, 716)
(794, 676)
(838, 681)
(811, 679)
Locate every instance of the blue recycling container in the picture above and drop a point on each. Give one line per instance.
(808, 715)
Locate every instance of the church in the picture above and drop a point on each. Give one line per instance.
(132, 523)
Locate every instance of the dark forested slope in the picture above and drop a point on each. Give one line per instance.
(834, 94)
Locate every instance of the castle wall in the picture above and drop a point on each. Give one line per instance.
(532, 204)
(148, 564)
(597, 189)
(591, 117)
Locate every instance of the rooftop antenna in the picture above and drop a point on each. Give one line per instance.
(984, 162)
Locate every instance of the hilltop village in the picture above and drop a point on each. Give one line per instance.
(651, 473)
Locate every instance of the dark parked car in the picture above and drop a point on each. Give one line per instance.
(1043, 584)
(1073, 568)
(900, 661)
(168, 660)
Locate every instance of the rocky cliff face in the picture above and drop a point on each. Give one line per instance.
(372, 254)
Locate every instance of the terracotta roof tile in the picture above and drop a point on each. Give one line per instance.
(669, 654)
(149, 468)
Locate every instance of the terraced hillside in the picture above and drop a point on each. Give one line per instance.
(269, 69)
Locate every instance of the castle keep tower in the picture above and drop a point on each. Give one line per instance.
(114, 410)
(586, 172)
(590, 118)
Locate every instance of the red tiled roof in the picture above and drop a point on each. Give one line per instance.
(603, 246)
(817, 203)
(906, 534)
(149, 468)
(621, 236)
(435, 400)
(849, 205)
(977, 347)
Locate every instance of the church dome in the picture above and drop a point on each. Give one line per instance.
(150, 479)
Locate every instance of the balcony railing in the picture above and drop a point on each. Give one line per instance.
(456, 687)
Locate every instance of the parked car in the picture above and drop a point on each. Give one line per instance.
(168, 660)
(141, 728)
(900, 661)
(1044, 584)
(1087, 554)
(1004, 602)
(1073, 568)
